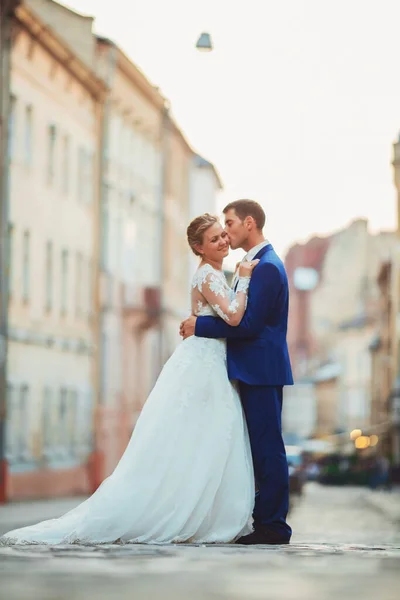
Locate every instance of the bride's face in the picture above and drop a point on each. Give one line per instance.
(215, 243)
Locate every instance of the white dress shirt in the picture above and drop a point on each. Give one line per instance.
(249, 256)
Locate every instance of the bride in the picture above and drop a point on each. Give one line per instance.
(186, 474)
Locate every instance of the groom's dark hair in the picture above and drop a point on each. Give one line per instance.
(247, 208)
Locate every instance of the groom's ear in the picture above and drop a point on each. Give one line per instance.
(250, 222)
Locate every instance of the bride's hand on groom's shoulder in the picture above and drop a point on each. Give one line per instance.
(246, 268)
(187, 327)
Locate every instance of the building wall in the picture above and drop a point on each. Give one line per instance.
(383, 363)
(53, 203)
(344, 314)
(299, 412)
(204, 188)
(177, 254)
(98, 247)
(353, 355)
(301, 336)
(347, 265)
(348, 287)
(327, 396)
(130, 251)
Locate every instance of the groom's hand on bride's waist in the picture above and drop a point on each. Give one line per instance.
(188, 327)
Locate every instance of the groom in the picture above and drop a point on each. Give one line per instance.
(258, 358)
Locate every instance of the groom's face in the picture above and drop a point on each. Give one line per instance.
(236, 229)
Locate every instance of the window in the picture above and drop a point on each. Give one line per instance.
(79, 289)
(23, 441)
(28, 134)
(105, 228)
(11, 424)
(17, 424)
(83, 431)
(49, 275)
(26, 266)
(65, 164)
(119, 240)
(81, 172)
(104, 363)
(12, 128)
(72, 420)
(48, 422)
(63, 421)
(64, 281)
(10, 250)
(89, 288)
(90, 177)
(52, 137)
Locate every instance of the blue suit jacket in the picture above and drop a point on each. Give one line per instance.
(257, 348)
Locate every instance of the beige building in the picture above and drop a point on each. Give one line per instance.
(393, 402)
(54, 196)
(178, 158)
(327, 400)
(103, 186)
(338, 322)
(344, 314)
(147, 198)
(131, 247)
(352, 353)
(205, 185)
(348, 286)
(382, 362)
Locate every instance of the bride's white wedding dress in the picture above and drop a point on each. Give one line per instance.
(186, 474)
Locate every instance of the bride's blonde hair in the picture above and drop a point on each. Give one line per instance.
(196, 229)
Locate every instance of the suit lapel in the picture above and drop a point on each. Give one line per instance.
(259, 254)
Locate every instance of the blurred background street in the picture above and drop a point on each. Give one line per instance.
(323, 515)
(345, 543)
(119, 123)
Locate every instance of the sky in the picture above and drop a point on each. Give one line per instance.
(298, 106)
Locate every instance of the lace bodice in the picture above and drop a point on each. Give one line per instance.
(212, 296)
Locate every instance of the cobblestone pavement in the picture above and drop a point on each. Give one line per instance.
(341, 548)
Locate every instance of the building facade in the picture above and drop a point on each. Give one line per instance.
(205, 185)
(382, 360)
(103, 184)
(56, 108)
(130, 248)
(333, 316)
(175, 303)
(7, 10)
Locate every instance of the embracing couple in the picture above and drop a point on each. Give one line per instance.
(206, 462)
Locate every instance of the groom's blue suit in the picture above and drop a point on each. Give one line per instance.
(258, 358)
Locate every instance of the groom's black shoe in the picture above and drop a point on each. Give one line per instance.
(263, 536)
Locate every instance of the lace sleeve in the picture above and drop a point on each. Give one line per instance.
(216, 292)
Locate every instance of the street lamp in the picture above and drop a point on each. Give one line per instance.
(204, 43)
